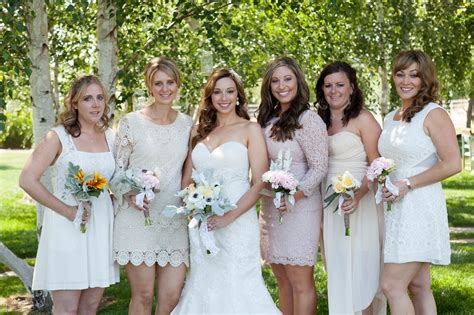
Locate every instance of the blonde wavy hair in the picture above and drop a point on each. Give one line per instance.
(426, 72)
(164, 64)
(69, 118)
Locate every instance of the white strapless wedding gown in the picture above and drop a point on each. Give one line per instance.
(230, 282)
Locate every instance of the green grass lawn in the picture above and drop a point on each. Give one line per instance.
(453, 285)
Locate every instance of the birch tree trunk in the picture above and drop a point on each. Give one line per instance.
(107, 58)
(42, 101)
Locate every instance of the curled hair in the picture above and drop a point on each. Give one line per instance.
(69, 116)
(356, 100)
(270, 107)
(426, 72)
(207, 111)
(164, 64)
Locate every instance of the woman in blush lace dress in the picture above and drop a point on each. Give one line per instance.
(74, 266)
(228, 144)
(353, 262)
(420, 137)
(155, 137)
(288, 123)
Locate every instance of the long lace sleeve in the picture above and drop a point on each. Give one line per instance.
(123, 147)
(313, 139)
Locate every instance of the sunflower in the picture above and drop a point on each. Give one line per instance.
(97, 182)
(79, 176)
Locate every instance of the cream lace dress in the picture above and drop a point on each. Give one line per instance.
(143, 144)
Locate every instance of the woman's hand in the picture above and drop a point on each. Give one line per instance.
(218, 222)
(131, 199)
(402, 191)
(351, 204)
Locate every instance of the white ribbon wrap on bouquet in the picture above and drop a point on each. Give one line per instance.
(341, 201)
(80, 211)
(140, 198)
(206, 237)
(277, 199)
(390, 187)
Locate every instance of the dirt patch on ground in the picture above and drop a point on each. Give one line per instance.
(19, 303)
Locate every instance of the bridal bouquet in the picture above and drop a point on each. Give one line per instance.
(144, 182)
(284, 184)
(83, 188)
(344, 187)
(201, 200)
(380, 169)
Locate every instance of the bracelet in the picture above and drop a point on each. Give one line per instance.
(408, 183)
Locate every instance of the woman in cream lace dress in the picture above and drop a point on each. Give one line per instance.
(353, 262)
(154, 138)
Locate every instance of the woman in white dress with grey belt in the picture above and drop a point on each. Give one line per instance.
(420, 138)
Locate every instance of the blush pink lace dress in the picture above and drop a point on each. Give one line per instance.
(295, 241)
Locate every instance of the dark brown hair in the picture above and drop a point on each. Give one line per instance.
(207, 111)
(69, 116)
(426, 72)
(356, 101)
(269, 108)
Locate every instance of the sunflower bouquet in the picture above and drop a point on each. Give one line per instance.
(344, 187)
(83, 188)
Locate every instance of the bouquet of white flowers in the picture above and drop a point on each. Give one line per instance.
(344, 187)
(144, 182)
(201, 200)
(284, 184)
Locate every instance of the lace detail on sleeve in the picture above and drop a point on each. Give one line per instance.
(123, 148)
(313, 139)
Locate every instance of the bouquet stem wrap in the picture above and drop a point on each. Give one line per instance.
(391, 188)
(139, 200)
(82, 207)
(347, 220)
(289, 200)
(205, 236)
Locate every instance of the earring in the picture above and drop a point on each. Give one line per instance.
(237, 103)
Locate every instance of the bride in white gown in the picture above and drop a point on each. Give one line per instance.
(226, 142)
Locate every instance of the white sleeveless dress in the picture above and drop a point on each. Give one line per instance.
(416, 229)
(68, 259)
(230, 282)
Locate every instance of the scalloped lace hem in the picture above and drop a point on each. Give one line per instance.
(289, 261)
(160, 257)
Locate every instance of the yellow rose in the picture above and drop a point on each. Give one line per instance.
(347, 181)
(339, 187)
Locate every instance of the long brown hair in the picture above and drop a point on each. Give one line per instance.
(426, 72)
(69, 116)
(269, 108)
(207, 111)
(356, 102)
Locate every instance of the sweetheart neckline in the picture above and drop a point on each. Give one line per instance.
(220, 145)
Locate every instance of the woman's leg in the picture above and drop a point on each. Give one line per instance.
(169, 284)
(285, 292)
(304, 291)
(422, 296)
(65, 301)
(89, 301)
(395, 281)
(142, 282)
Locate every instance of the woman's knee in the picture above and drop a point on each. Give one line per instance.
(144, 297)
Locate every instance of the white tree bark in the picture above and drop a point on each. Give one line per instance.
(43, 108)
(107, 58)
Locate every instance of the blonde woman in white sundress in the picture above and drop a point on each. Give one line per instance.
(65, 255)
